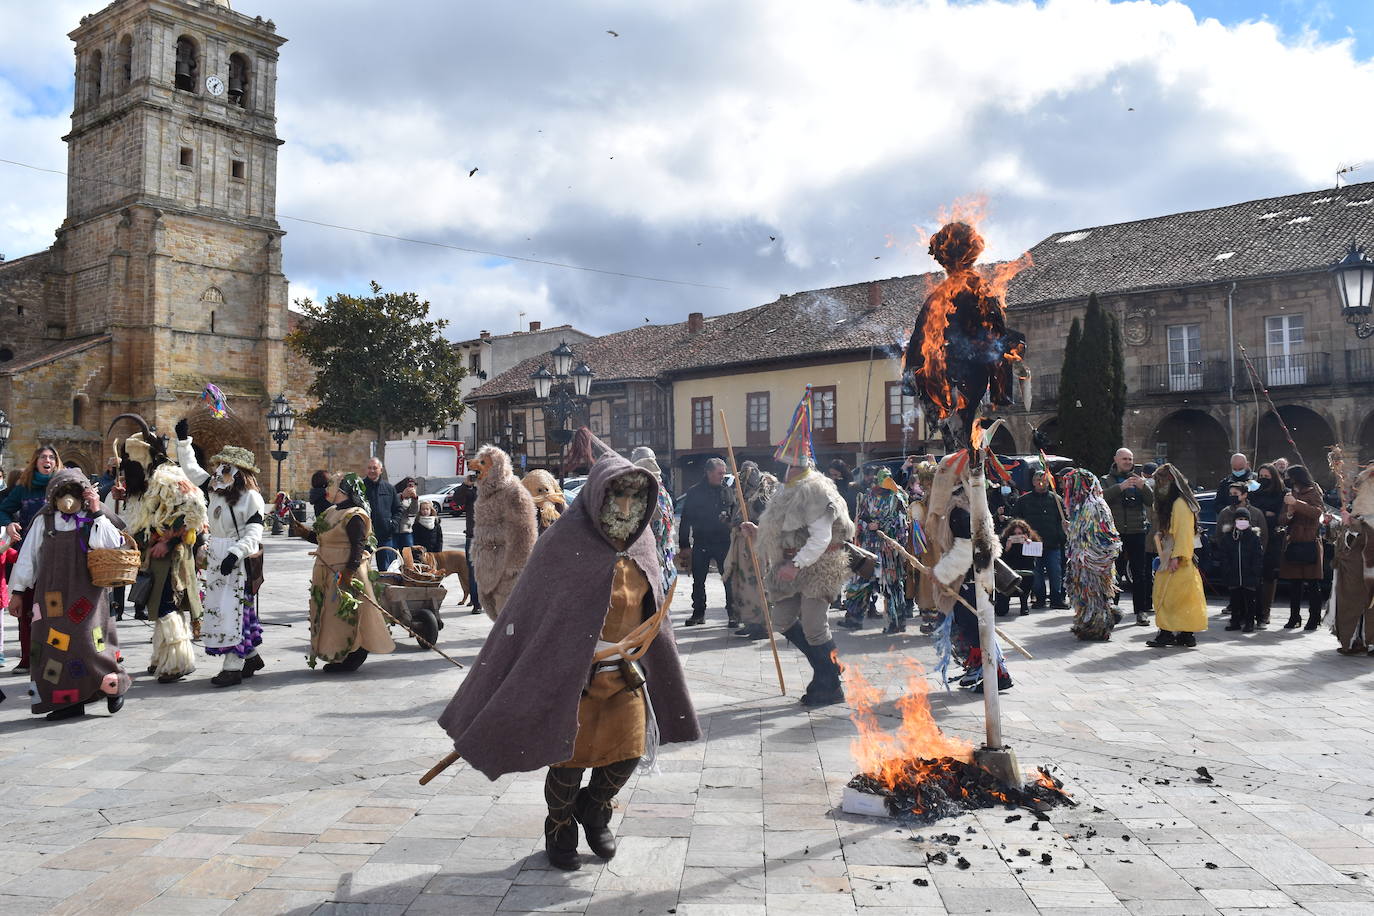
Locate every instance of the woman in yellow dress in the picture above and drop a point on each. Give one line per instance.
(1180, 605)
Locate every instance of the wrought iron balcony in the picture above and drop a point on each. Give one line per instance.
(1289, 371)
(1184, 377)
(1046, 388)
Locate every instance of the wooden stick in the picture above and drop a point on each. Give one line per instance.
(753, 555)
(449, 759)
(926, 571)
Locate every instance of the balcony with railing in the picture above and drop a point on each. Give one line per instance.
(1359, 365)
(1184, 377)
(1289, 371)
(1047, 389)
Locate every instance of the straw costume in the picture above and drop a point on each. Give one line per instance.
(236, 513)
(759, 488)
(534, 697)
(75, 650)
(1093, 548)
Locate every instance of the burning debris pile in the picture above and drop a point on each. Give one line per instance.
(921, 774)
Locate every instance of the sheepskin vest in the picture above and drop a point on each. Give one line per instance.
(783, 529)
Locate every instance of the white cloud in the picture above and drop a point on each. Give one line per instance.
(678, 148)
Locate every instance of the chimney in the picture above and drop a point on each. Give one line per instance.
(485, 335)
(535, 325)
(875, 294)
(695, 322)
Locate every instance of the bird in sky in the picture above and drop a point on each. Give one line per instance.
(473, 172)
(613, 34)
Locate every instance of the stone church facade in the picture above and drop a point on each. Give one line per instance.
(166, 273)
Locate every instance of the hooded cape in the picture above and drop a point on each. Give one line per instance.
(517, 708)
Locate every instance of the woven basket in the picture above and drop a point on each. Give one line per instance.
(111, 567)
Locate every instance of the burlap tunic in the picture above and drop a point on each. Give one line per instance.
(76, 655)
(333, 632)
(610, 719)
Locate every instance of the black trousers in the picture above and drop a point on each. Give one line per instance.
(472, 576)
(1138, 565)
(703, 553)
(1245, 607)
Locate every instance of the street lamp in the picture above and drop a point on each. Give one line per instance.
(4, 431)
(281, 419)
(1355, 282)
(564, 391)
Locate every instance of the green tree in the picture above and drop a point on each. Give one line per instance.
(1118, 376)
(380, 364)
(1091, 392)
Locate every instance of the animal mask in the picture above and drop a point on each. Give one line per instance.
(1363, 504)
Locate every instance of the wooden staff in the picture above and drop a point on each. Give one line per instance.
(631, 647)
(924, 570)
(753, 556)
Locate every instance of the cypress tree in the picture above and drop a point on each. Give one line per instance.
(1089, 421)
(1117, 420)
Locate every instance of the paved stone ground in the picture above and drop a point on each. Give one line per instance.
(297, 792)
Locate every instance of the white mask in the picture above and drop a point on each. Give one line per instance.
(224, 477)
(426, 521)
(1242, 524)
(68, 504)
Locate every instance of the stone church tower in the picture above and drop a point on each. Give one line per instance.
(166, 273)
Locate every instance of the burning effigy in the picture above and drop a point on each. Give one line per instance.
(961, 350)
(918, 773)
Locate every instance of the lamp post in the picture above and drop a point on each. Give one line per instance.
(281, 419)
(1355, 282)
(4, 436)
(564, 391)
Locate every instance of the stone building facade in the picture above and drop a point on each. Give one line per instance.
(166, 273)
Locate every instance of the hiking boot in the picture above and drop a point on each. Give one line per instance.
(1161, 640)
(1187, 640)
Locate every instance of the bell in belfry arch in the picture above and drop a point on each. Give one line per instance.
(183, 68)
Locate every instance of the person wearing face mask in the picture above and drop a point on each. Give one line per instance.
(76, 648)
(1238, 545)
(233, 572)
(537, 697)
(1268, 499)
(18, 506)
(1240, 473)
(346, 623)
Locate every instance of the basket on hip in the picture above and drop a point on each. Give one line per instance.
(111, 567)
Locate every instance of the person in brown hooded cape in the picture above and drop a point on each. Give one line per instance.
(535, 698)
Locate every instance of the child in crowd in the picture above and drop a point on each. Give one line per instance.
(1015, 536)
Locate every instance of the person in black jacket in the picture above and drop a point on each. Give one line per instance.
(704, 536)
(1042, 510)
(1240, 473)
(467, 502)
(1238, 555)
(429, 530)
(319, 487)
(385, 507)
(1268, 499)
(839, 472)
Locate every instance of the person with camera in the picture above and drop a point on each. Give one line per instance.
(1128, 493)
(1042, 509)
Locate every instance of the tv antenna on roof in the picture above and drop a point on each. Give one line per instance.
(1346, 170)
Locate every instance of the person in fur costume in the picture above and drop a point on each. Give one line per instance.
(504, 529)
(76, 655)
(536, 697)
(924, 592)
(758, 487)
(1354, 589)
(549, 501)
(800, 538)
(166, 514)
(236, 515)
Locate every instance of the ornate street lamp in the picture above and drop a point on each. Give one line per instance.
(564, 391)
(1355, 281)
(4, 432)
(281, 420)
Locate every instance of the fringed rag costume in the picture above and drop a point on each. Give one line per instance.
(759, 488)
(1093, 547)
(163, 506)
(884, 505)
(75, 648)
(236, 513)
(533, 697)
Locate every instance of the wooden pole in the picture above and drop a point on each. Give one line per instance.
(982, 579)
(925, 570)
(753, 555)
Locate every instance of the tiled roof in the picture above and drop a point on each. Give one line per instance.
(815, 322)
(1259, 238)
(53, 353)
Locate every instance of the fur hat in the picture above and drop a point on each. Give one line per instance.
(237, 457)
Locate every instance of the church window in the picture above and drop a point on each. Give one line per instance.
(124, 62)
(188, 64)
(94, 65)
(237, 170)
(76, 411)
(238, 80)
(188, 157)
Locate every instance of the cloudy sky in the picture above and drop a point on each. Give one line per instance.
(744, 148)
